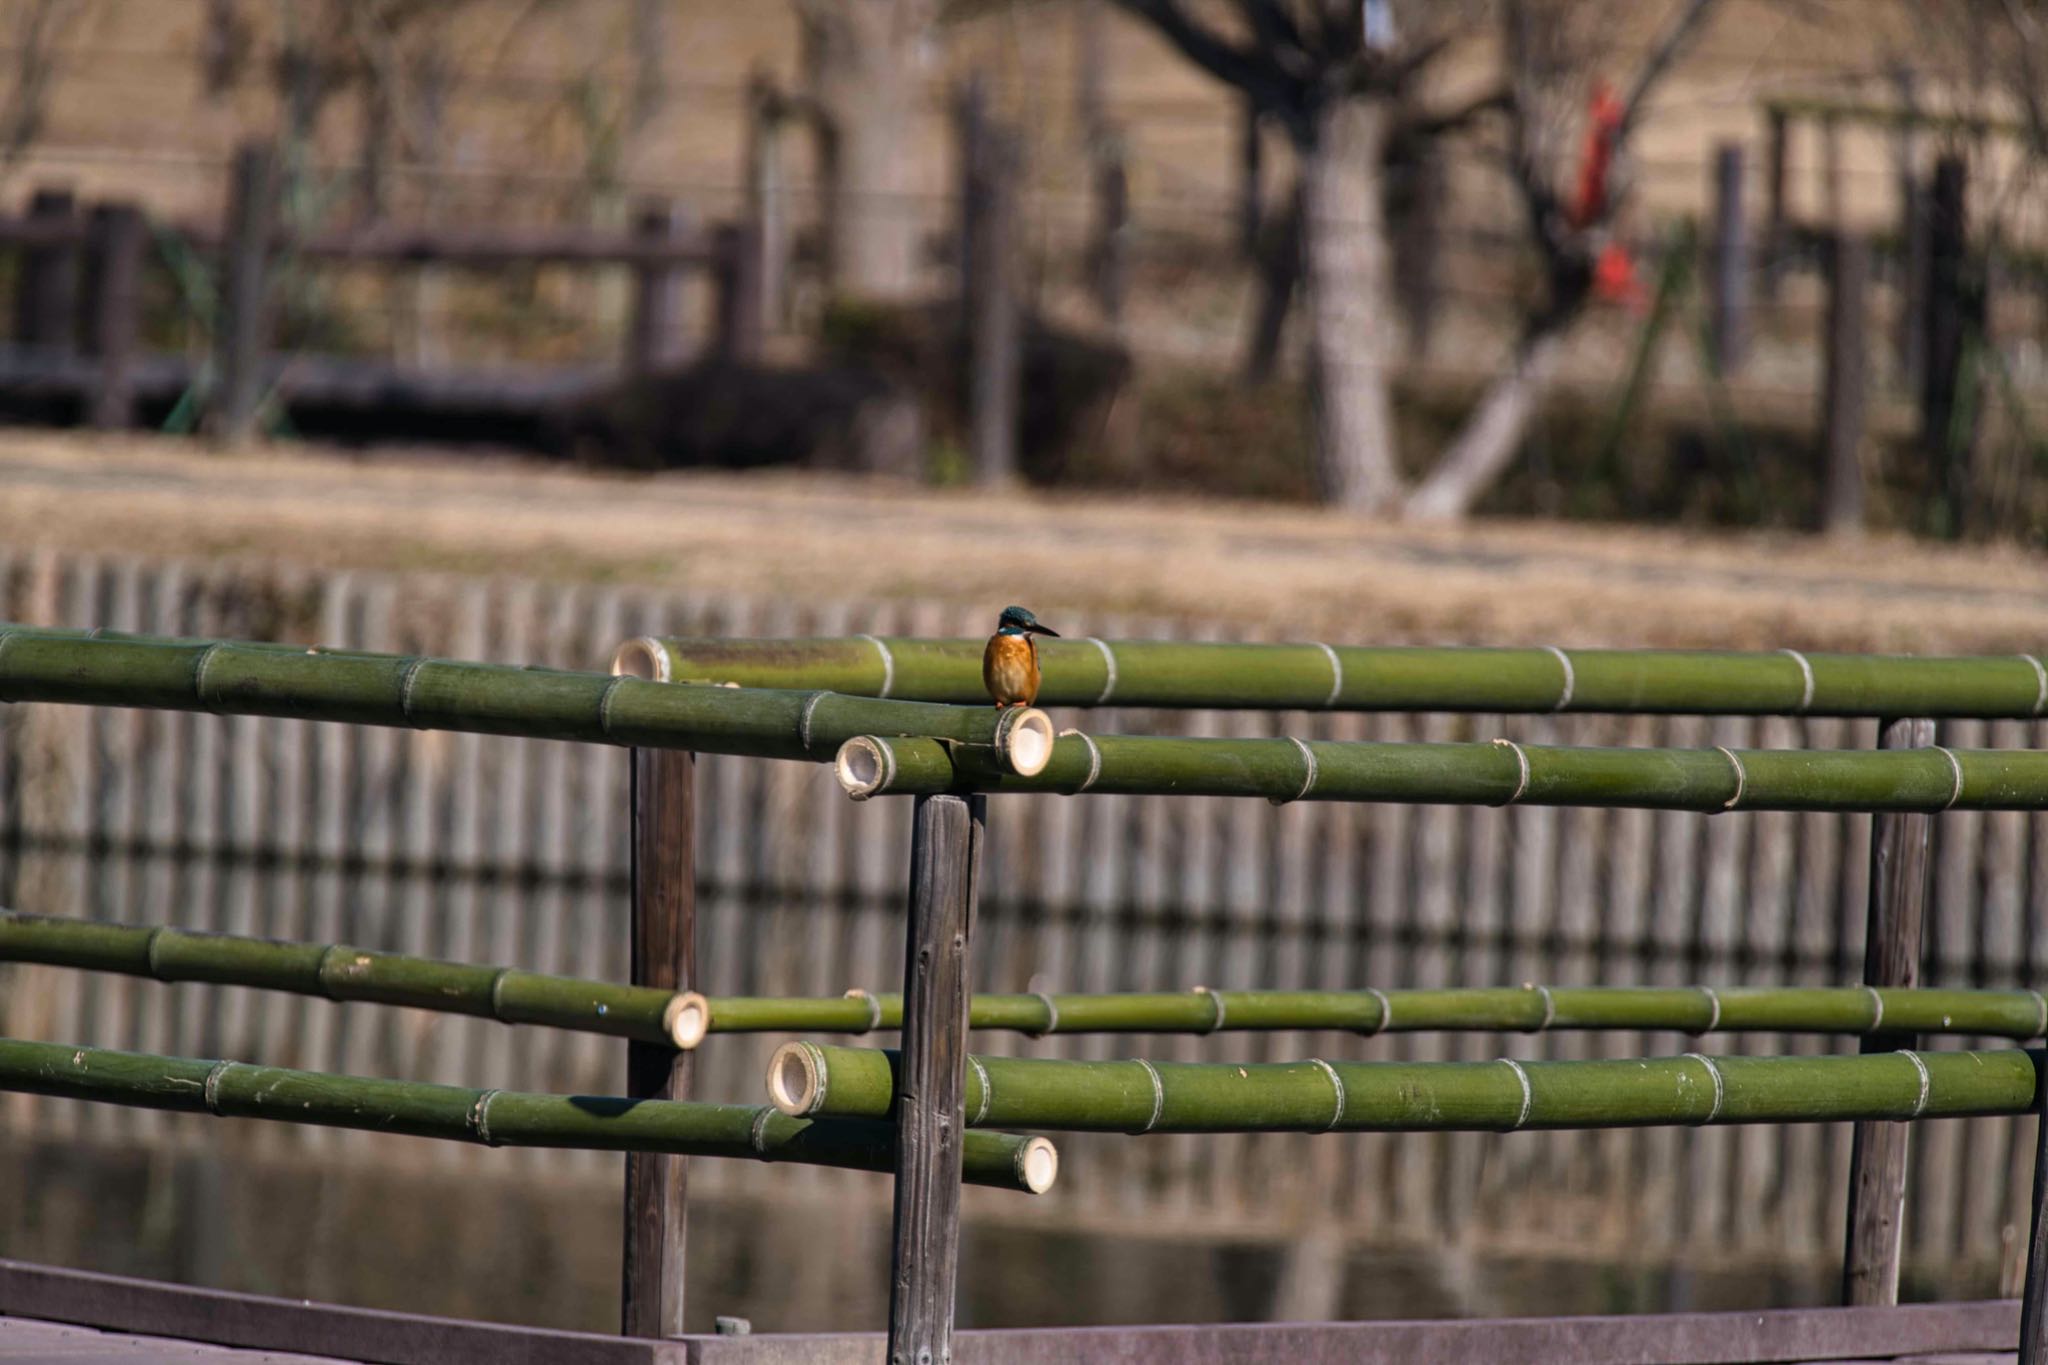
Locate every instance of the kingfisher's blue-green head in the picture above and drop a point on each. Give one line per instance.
(1017, 621)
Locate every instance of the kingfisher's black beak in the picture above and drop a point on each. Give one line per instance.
(1037, 629)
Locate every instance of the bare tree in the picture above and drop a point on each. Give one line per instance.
(863, 62)
(39, 28)
(1345, 79)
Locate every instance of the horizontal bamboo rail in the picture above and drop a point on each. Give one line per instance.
(342, 973)
(1848, 1010)
(338, 972)
(1317, 677)
(442, 694)
(1502, 773)
(495, 1118)
(1321, 1096)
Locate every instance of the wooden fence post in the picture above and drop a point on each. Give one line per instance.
(767, 206)
(945, 864)
(664, 955)
(1109, 241)
(1946, 328)
(1891, 957)
(1774, 202)
(654, 329)
(119, 236)
(739, 311)
(988, 247)
(46, 304)
(1845, 385)
(1916, 242)
(1730, 274)
(2034, 1306)
(239, 331)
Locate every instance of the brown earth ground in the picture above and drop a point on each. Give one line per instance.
(1249, 566)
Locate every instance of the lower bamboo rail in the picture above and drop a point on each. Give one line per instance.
(1408, 1097)
(1500, 773)
(495, 1118)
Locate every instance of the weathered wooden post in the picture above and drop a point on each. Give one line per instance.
(1730, 273)
(239, 331)
(737, 247)
(767, 206)
(1846, 384)
(664, 955)
(945, 865)
(2034, 1304)
(1109, 237)
(1833, 183)
(1774, 201)
(119, 238)
(1947, 329)
(46, 304)
(1891, 957)
(1916, 244)
(988, 243)
(654, 328)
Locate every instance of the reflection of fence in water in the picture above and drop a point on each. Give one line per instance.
(513, 851)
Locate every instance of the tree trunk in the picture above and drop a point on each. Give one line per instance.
(1350, 307)
(862, 61)
(1491, 436)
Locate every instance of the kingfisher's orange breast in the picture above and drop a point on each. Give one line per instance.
(1009, 669)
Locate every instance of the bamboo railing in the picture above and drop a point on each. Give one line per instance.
(1090, 672)
(495, 1118)
(444, 694)
(1411, 1097)
(1500, 773)
(339, 972)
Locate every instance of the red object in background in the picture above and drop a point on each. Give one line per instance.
(1614, 274)
(1614, 278)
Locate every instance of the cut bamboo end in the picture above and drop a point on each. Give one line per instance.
(1038, 1165)
(686, 1019)
(1024, 739)
(641, 658)
(796, 1080)
(863, 766)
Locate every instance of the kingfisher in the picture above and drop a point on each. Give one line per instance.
(1009, 666)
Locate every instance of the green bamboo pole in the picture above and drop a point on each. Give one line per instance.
(1850, 1010)
(496, 1118)
(1501, 773)
(1319, 1096)
(442, 694)
(1088, 672)
(339, 972)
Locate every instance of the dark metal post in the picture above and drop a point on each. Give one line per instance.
(1845, 386)
(664, 955)
(1891, 957)
(654, 330)
(1730, 275)
(46, 304)
(2034, 1306)
(239, 331)
(120, 238)
(945, 864)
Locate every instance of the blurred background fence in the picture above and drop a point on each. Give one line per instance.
(513, 851)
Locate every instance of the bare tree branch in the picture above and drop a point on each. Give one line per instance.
(1265, 84)
(1683, 28)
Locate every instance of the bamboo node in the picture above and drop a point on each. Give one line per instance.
(1741, 777)
(199, 671)
(1876, 1010)
(2041, 1008)
(803, 720)
(988, 1091)
(1571, 680)
(211, 1090)
(888, 663)
(1926, 1080)
(604, 704)
(1094, 760)
(1109, 666)
(2041, 674)
(480, 1118)
(1528, 1091)
(1806, 677)
(1522, 762)
(1308, 775)
(686, 1019)
(1215, 1008)
(1336, 1084)
(1158, 1095)
(1052, 1016)
(1714, 1004)
(1720, 1086)
(1549, 1006)
(149, 952)
(757, 1132)
(1955, 766)
(874, 1010)
(1336, 675)
(1386, 1012)
(405, 687)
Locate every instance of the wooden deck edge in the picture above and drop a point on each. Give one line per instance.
(151, 1308)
